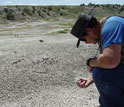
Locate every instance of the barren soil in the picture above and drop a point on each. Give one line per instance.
(43, 73)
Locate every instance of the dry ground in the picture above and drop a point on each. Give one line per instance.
(42, 74)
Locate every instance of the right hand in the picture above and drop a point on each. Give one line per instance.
(90, 69)
(84, 83)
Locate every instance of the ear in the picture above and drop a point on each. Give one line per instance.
(89, 30)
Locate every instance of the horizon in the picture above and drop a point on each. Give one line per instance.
(57, 4)
(62, 2)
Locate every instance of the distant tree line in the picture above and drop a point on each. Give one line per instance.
(119, 7)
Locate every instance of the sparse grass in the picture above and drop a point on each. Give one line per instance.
(61, 11)
(11, 29)
(62, 31)
(21, 27)
(6, 34)
(67, 24)
(64, 16)
(48, 12)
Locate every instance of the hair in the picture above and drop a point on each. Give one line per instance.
(93, 23)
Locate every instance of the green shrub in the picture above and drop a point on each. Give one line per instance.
(27, 11)
(10, 14)
(63, 31)
(50, 8)
(5, 10)
(62, 13)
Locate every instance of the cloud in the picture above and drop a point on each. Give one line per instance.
(99, 0)
(68, 0)
(106, 1)
(9, 2)
(19, 3)
(34, 4)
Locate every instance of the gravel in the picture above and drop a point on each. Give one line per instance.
(43, 74)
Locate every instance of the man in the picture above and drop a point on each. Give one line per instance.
(107, 69)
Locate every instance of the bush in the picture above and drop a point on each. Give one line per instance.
(41, 13)
(1, 12)
(50, 8)
(82, 4)
(27, 11)
(10, 15)
(5, 10)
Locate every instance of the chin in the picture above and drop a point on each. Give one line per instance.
(92, 43)
(95, 42)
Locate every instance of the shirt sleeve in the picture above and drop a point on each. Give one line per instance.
(112, 33)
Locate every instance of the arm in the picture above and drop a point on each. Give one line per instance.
(109, 59)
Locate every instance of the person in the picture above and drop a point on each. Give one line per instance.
(108, 67)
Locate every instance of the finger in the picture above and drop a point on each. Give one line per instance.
(79, 85)
(89, 69)
(81, 79)
(87, 83)
(82, 84)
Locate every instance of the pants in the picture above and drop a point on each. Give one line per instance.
(110, 85)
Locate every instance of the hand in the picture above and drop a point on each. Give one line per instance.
(84, 83)
(90, 69)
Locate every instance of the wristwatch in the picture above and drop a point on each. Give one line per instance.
(88, 61)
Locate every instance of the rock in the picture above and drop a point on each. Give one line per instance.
(41, 41)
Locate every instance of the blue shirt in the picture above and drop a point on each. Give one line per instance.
(112, 31)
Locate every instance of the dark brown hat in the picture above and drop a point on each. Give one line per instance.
(80, 25)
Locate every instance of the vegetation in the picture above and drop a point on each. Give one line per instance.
(18, 13)
(63, 31)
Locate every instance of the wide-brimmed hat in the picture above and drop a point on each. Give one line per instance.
(81, 24)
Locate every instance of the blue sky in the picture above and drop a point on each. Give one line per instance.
(58, 2)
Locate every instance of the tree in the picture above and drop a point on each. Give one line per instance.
(82, 4)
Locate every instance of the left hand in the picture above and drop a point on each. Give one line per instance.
(84, 83)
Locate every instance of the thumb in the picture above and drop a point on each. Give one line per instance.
(87, 83)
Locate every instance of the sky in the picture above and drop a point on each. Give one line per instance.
(58, 2)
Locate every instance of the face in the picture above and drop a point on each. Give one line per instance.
(89, 39)
(90, 36)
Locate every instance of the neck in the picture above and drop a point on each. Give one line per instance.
(98, 31)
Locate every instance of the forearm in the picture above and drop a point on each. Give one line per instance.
(103, 62)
